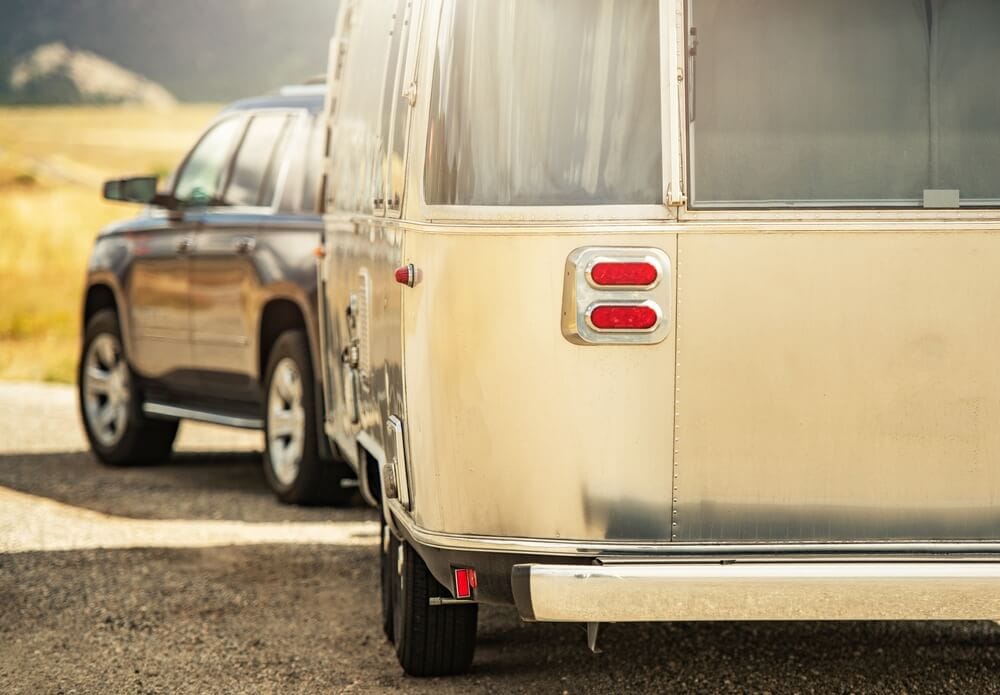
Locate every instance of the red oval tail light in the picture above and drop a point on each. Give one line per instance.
(624, 317)
(624, 274)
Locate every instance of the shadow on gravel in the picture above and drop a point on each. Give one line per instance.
(306, 619)
(214, 485)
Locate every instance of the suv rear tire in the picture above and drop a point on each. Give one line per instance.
(110, 403)
(293, 466)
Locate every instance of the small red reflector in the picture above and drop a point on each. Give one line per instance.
(465, 579)
(638, 274)
(407, 275)
(620, 317)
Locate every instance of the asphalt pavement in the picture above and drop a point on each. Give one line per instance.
(171, 579)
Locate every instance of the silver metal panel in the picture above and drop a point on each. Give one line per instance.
(512, 429)
(837, 386)
(760, 591)
(398, 459)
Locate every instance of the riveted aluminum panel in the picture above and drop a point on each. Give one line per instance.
(838, 385)
(513, 430)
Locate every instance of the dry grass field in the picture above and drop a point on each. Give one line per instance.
(52, 164)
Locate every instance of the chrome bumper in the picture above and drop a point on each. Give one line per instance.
(758, 591)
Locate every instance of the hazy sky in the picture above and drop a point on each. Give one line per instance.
(200, 50)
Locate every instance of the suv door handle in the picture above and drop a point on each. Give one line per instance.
(185, 244)
(245, 244)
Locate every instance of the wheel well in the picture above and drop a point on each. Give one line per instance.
(370, 474)
(279, 315)
(99, 298)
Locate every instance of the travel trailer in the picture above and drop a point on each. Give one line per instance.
(653, 310)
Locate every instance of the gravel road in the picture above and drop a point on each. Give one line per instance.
(303, 618)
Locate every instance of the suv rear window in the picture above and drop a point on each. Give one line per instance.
(258, 162)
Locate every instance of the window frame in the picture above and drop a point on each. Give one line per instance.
(405, 76)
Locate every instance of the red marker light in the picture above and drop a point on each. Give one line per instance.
(407, 275)
(624, 317)
(465, 582)
(630, 274)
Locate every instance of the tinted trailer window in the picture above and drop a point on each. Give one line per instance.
(852, 103)
(546, 103)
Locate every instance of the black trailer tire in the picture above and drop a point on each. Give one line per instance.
(110, 402)
(293, 466)
(388, 553)
(430, 640)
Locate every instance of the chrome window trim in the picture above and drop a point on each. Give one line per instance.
(672, 91)
(407, 74)
(885, 216)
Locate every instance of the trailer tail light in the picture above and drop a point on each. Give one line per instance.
(465, 582)
(624, 274)
(617, 295)
(624, 317)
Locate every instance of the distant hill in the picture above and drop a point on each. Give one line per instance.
(199, 50)
(54, 74)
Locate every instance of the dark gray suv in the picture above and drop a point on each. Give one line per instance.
(205, 306)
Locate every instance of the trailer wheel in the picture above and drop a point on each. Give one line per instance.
(430, 640)
(294, 469)
(388, 552)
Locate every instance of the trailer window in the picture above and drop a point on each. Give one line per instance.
(848, 103)
(553, 102)
(355, 173)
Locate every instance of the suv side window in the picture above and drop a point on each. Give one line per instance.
(258, 162)
(203, 174)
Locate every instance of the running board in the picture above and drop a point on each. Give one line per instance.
(173, 412)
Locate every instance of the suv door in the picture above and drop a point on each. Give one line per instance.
(227, 271)
(158, 289)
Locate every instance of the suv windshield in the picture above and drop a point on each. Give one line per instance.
(546, 103)
(847, 103)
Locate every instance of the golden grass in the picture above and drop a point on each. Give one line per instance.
(52, 164)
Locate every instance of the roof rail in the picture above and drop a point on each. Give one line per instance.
(303, 90)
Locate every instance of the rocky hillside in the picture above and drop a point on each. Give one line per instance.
(198, 50)
(54, 74)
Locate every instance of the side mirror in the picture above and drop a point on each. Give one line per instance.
(137, 189)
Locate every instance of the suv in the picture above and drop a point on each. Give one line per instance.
(205, 306)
